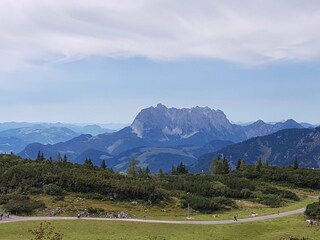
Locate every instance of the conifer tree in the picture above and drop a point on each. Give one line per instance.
(226, 168)
(133, 168)
(258, 166)
(103, 164)
(295, 163)
(160, 172)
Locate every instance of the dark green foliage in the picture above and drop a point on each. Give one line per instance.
(56, 178)
(258, 166)
(58, 198)
(295, 163)
(20, 204)
(238, 164)
(92, 210)
(88, 162)
(313, 211)
(103, 164)
(160, 172)
(40, 156)
(53, 190)
(147, 171)
(268, 199)
(226, 168)
(219, 166)
(65, 158)
(133, 168)
(180, 169)
(207, 205)
(306, 178)
(216, 167)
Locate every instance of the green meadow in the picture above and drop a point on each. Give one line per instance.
(102, 230)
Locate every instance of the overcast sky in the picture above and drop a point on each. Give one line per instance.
(101, 61)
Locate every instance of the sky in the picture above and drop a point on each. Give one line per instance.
(102, 61)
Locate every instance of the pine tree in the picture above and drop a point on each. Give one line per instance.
(103, 164)
(147, 171)
(238, 164)
(242, 165)
(258, 166)
(133, 168)
(181, 168)
(295, 163)
(88, 162)
(216, 167)
(65, 158)
(160, 172)
(38, 156)
(42, 158)
(173, 170)
(226, 168)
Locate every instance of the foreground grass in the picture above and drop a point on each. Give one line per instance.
(103, 230)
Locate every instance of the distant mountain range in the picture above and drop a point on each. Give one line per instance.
(160, 134)
(280, 149)
(14, 137)
(92, 129)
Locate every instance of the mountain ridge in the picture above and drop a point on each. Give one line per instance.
(161, 127)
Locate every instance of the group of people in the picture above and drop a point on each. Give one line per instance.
(1, 216)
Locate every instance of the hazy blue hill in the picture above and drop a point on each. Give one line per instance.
(279, 149)
(92, 129)
(15, 140)
(164, 157)
(95, 156)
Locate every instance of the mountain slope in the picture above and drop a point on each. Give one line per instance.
(279, 149)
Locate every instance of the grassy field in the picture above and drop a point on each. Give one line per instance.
(102, 230)
(167, 211)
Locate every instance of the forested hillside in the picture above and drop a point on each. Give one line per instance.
(203, 192)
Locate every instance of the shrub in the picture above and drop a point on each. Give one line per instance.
(46, 232)
(16, 197)
(53, 190)
(95, 210)
(23, 206)
(58, 198)
(208, 205)
(273, 201)
(313, 211)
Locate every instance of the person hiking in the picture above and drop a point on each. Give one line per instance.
(1, 215)
(78, 215)
(235, 218)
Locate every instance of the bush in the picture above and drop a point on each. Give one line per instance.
(53, 190)
(23, 206)
(273, 201)
(16, 197)
(92, 210)
(58, 198)
(207, 205)
(313, 211)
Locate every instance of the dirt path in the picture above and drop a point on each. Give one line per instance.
(252, 219)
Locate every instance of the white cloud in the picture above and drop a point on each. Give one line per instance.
(34, 32)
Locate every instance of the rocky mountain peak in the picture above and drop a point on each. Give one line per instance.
(172, 122)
